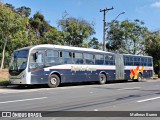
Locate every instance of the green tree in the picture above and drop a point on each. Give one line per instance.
(153, 47)
(11, 7)
(10, 25)
(24, 11)
(39, 25)
(76, 31)
(94, 43)
(53, 36)
(115, 38)
(127, 36)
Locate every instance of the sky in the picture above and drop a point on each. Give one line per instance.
(53, 10)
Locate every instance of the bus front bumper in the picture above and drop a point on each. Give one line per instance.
(17, 81)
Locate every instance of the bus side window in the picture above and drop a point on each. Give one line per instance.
(126, 59)
(60, 54)
(145, 61)
(136, 61)
(73, 55)
(131, 60)
(149, 63)
(78, 58)
(36, 59)
(51, 58)
(106, 60)
(89, 58)
(109, 59)
(99, 59)
(65, 57)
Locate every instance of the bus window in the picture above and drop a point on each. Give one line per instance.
(149, 63)
(51, 58)
(142, 62)
(66, 57)
(126, 60)
(89, 58)
(36, 59)
(136, 61)
(78, 58)
(145, 61)
(99, 59)
(60, 54)
(109, 59)
(131, 61)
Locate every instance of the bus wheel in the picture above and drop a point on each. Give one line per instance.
(54, 81)
(102, 79)
(139, 79)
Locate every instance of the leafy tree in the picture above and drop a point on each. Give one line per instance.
(53, 36)
(10, 24)
(127, 36)
(115, 39)
(153, 47)
(24, 11)
(39, 25)
(76, 31)
(11, 7)
(94, 43)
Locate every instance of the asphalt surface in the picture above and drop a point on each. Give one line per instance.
(120, 96)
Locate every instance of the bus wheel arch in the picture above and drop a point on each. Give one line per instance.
(54, 80)
(102, 77)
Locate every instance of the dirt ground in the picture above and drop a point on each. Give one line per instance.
(4, 75)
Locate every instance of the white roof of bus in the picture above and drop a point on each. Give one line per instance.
(137, 55)
(68, 48)
(73, 48)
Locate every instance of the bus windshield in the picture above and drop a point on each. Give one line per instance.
(18, 62)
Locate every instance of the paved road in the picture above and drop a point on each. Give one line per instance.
(128, 96)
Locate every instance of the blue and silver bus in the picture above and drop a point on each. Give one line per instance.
(55, 64)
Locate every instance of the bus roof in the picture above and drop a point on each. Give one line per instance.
(24, 48)
(72, 48)
(69, 48)
(137, 55)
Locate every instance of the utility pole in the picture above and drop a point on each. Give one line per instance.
(104, 26)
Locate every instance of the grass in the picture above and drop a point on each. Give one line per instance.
(4, 82)
(4, 76)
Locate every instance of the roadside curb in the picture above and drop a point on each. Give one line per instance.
(155, 78)
(9, 86)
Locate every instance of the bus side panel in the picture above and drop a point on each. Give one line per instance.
(147, 73)
(111, 75)
(127, 74)
(79, 76)
(68, 76)
(39, 77)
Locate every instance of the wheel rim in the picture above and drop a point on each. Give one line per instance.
(53, 81)
(139, 78)
(102, 78)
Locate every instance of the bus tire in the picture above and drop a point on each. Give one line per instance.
(102, 79)
(140, 78)
(54, 81)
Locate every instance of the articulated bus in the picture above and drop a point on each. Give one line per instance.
(54, 64)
